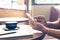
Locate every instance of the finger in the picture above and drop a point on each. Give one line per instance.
(38, 18)
(35, 17)
(35, 20)
(33, 26)
(32, 22)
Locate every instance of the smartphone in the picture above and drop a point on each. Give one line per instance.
(29, 16)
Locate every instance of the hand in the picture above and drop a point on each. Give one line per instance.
(37, 26)
(40, 19)
(58, 22)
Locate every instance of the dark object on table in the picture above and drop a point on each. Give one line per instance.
(11, 26)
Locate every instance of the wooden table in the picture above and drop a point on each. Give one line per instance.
(36, 35)
(24, 30)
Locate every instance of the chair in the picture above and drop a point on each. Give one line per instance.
(54, 14)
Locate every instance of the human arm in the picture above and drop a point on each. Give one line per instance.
(55, 24)
(49, 31)
(53, 32)
(38, 25)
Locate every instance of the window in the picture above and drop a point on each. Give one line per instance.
(12, 4)
(5, 4)
(45, 2)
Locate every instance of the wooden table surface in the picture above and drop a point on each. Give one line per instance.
(35, 35)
